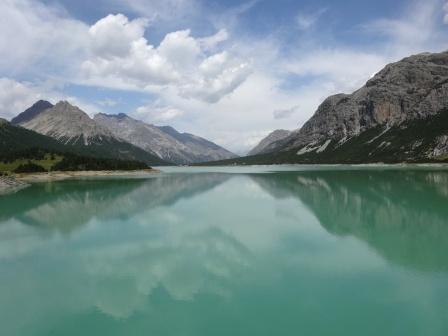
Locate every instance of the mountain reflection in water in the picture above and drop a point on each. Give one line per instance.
(219, 253)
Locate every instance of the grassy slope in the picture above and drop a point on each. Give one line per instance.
(47, 163)
(368, 147)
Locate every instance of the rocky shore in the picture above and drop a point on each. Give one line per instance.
(10, 184)
(15, 182)
(57, 176)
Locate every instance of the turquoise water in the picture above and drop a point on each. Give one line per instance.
(229, 251)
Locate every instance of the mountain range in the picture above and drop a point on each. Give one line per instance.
(113, 136)
(163, 141)
(399, 115)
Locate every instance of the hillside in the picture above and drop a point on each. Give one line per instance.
(400, 115)
(267, 144)
(73, 128)
(22, 147)
(163, 141)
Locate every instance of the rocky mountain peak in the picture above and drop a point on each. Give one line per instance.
(37, 108)
(415, 87)
(67, 123)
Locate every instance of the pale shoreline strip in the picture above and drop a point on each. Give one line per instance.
(57, 176)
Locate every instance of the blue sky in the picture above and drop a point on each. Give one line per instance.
(231, 71)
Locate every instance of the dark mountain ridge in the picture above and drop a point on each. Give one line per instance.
(32, 112)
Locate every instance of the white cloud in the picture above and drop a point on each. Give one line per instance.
(180, 49)
(211, 42)
(15, 97)
(114, 35)
(37, 39)
(306, 21)
(224, 86)
(445, 9)
(154, 114)
(417, 30)
(212, 88)
(343, 69)
(123, 58)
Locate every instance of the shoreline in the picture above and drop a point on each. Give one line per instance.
(59, 175)
(10, 185)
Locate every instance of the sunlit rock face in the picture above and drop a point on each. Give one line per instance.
(68, 124)
(165, 141)
(409, 95)
(415, 87)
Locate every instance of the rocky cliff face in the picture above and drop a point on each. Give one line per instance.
(165, 142)
(413, 88)
(269, 143)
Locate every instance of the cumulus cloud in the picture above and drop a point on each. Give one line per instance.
(114, 35)
(220, 76)
(285, 113)
(113, 52)
(122, 57)
(244, 76)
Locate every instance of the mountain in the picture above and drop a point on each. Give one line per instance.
(32, 112)
(400, 115)
(165, 141)
(73, 128)
(19, 145)
(415, 88)
(15, 139)
(266, 145)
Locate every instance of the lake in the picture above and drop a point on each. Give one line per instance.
(229, 251)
